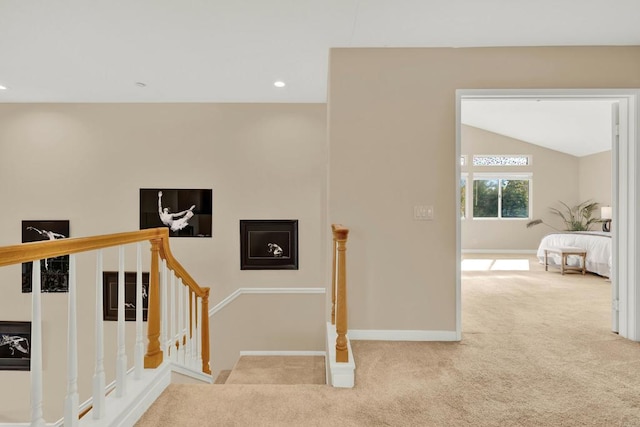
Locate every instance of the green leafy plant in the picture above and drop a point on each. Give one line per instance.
(575, 218)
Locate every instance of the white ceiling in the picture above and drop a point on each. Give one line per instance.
(233, 51)
(576, 127)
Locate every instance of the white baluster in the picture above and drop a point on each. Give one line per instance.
(37, 419)
(99, 382)
(198, 336)
(121, 360)
(187, 317)
(180, 324)
(194, 330)
(139, 350)
(72, 398)
(173, 338)
(163, 308)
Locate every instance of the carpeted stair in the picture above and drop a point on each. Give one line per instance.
(275, 370)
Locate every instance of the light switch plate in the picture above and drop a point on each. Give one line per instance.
(423, 213)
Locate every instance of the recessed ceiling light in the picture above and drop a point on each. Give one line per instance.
(279, 83)
(3, 87)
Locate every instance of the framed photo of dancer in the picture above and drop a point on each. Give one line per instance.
(110, 295)
(15, 346)
(54, 271)
(269, 244)
(185, 212)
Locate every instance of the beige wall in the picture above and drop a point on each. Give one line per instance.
(392, 136)
(595, 178)
(555, 177)
(86, 163)
(294, 316)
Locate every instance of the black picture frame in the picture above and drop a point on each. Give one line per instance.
(192, 210)
(110, 295)
(54, 271)
(15, 346)
(269, 244)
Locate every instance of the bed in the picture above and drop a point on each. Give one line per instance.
(596, 243)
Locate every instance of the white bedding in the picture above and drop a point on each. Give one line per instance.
(597, 244)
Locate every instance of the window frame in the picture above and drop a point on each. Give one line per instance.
(500, 176)
(529, 158)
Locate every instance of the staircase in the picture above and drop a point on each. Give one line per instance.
(176, 332)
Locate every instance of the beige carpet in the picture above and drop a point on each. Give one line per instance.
(278, 370)
(536, 351)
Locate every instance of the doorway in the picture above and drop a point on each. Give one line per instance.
(623, 276)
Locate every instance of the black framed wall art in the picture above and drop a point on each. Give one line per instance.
(15, 346)
(269, 244)
(110, 295)
(185, 212)
(54, 271)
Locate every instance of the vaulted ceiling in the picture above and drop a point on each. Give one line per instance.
(579, 127)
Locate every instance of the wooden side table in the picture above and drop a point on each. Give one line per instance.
(564, 252)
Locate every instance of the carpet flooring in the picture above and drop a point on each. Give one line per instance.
(536, 350)
(278, 370)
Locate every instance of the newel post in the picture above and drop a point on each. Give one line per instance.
(334, 274)
(206, 368)
(153, 358)
(340, 236)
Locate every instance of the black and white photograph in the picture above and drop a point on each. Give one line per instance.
(110, 295)
(185, 212)
(54, 271)
(269, 244)
(15, 346)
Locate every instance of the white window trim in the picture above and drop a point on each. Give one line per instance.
(528, 156)
(501, 176)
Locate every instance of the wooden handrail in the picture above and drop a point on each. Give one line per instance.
(159, 238)
(340, 235)
(27, 252)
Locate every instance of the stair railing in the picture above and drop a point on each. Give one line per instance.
(339, 291)
(178, 334)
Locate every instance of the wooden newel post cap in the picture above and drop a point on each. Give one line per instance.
(339, 232)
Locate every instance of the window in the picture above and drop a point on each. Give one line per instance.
(505, 197)
(501, 160)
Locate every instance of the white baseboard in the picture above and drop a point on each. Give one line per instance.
(401, 335)
(241, 291)
(283, 353)
(192, 373)
(499, 251)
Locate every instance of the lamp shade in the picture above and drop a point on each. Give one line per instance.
(605, 212)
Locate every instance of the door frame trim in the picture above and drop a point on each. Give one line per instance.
(625, 203)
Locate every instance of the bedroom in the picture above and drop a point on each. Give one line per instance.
(542, 151)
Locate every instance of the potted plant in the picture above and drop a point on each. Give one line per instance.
(576, 218)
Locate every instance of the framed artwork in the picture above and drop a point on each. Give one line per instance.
(110, 295)
(15, 346)
(269, 244)
(187, 213)
(54, 271)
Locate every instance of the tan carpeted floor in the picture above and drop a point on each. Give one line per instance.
(536, 351)
(278, 370)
